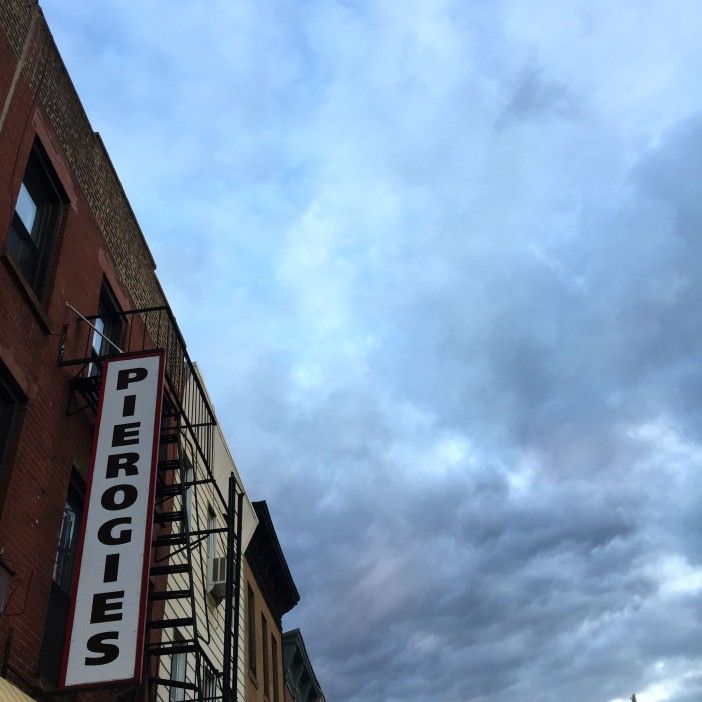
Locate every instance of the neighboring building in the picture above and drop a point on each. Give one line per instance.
(77, 285)
(270, 592)
(301, 683)
(224, 466)
(205, 509)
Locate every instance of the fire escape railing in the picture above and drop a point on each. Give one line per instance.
(138, 330)
(188, 419)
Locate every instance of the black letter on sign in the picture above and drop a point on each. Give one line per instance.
(130, 375)
(122, 461)
(125, 434)
(97, 644)
(129, 495)
(111, 568)
(102, 605)
(128, 405)
(105, 535)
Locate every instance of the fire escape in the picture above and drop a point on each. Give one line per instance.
(187, 656)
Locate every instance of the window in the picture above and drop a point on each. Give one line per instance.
(68, 539)
(6, 574)
(274, 666)
(251, 617)
(264, 651)
(189, 477)
(107, 338)
(211, 537)
(209, 683)
(59, 596)
(178, 670)
(32, 234)
(8, 410)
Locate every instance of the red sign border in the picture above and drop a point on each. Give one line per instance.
(143, 600)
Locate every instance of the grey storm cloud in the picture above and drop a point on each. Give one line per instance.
(535, 97)
(444, 284)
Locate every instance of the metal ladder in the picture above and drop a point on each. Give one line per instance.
(171, 514)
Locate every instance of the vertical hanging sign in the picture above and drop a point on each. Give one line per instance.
(106, 623)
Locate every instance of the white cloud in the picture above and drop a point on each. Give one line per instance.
(439, 264)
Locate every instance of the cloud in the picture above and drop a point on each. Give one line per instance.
(537, 98)
(443, 281)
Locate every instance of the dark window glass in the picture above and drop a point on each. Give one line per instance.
(251, 616)
(109, 329)
(59, 597)
(109, 325)
(8, 406)
(211, 537)
(274, 666)
(32, 234)
(264, 651)
(68, 539)
(178, 671)
(209, 683)
(189, 477)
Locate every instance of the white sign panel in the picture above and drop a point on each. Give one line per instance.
(105, 637)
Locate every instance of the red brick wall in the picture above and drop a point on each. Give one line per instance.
(99, 236)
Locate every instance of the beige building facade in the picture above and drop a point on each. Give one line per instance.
(194, 671)
(269, 592)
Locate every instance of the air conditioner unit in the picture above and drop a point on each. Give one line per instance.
(217, 577)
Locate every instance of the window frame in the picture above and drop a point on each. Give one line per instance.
(56, 619)
(32, 252)
(211, 538)
(64, 563)
(9, 413)
(264, 652)
(178, 670)
(251, 617)
(108, 308)
(188, 506)
(274, 667)
(208, 682)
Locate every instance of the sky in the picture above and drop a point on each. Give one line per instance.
(439, 262)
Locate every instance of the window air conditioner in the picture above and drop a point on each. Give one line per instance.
(217, 577)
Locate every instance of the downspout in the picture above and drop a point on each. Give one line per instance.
(237, 586)
(229, 590)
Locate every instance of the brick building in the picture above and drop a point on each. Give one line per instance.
(78, 285)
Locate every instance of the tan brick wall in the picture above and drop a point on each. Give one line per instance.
(254, 683)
